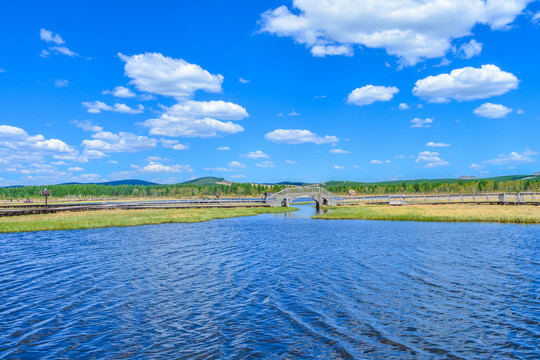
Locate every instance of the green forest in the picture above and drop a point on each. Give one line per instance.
(82, 191)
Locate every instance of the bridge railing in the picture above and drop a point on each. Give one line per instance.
(492, 198)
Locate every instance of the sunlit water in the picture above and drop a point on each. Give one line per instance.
(273, 287)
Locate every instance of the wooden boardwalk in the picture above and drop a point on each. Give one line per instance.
(30, 209)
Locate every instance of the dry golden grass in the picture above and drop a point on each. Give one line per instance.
(117, 217)
(526, 214)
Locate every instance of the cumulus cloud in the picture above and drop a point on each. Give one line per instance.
(339, 151)
(295, 136)
(106, 142)
(403, 106)
(421, 123)
(156, 167)
(198, 119)
(265, 164)
(469, 50)
(87, 125)
(466, 84)
(379, 162)
(339, 167)
(97, 107)
(163, 75)
(255, 155)
(50, 37)
(236, 164)
(411, 30)
(369, 94)
(17, 148)
(430, 159)
(244, 81)
(75, 169)
(120, 91)
(60, 83)
(224, 148)
(434, 144)
(492, 111)
(536, 18)
(513, 158)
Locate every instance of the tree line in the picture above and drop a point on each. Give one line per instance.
(75, 191)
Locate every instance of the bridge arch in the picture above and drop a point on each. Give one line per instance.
(286, 196)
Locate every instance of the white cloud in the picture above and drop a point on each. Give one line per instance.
(240, 176)
(244, 81)
(236, 164)
(162, 75)
(155, 167)
(255, 155)
(519, 111)
(173, 144)
(492, 111)
(466, 84)
(291, 162)
(265, 164)
(97, 107)
(379, 162)
(339, 151)
(60, 83)
(180, 147)
(323, 50)
(224, 148)
(403, 106)
(338, 167)
(157, 159)
(293, 113)
(49, 36)
(476, 166)
(512, 158)
(87, 125)
(294, 136)
(536, 18)
(369, 94)
(198, 119)
(430, 159)
(75, 169)
(17, 148)
(220, 169)
(411, 30)
(421, 123)
(120, 91)
(434, 144)
(469, 50)
(106, 142)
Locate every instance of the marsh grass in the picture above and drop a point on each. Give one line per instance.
(108, 218)
(524, 214)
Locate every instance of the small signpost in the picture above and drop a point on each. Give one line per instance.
(45, 193)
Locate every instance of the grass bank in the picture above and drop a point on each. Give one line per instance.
(524, 214)
(108, 218)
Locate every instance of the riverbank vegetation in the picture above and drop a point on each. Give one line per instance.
(524, 214)
(117, 217)
(183, 190)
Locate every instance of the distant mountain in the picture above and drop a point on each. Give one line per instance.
(467, 177)
(207, 180)
(116, 182)
(537, 173)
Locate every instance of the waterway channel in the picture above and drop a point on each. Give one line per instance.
(274, 286)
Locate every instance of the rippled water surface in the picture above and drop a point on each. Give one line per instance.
(273, 287)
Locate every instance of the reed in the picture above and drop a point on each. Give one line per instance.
(117, 217)
(523, 214)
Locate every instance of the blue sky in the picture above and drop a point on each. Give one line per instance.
(266, 91)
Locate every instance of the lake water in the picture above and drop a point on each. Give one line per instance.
(278, 286)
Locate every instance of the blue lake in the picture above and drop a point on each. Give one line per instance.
(275, 286)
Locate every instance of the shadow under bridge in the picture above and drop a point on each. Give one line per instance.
(286, 196)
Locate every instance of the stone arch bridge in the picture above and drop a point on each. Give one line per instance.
(286, 196)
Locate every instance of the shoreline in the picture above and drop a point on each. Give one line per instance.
(522, 214)
(121, 218)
